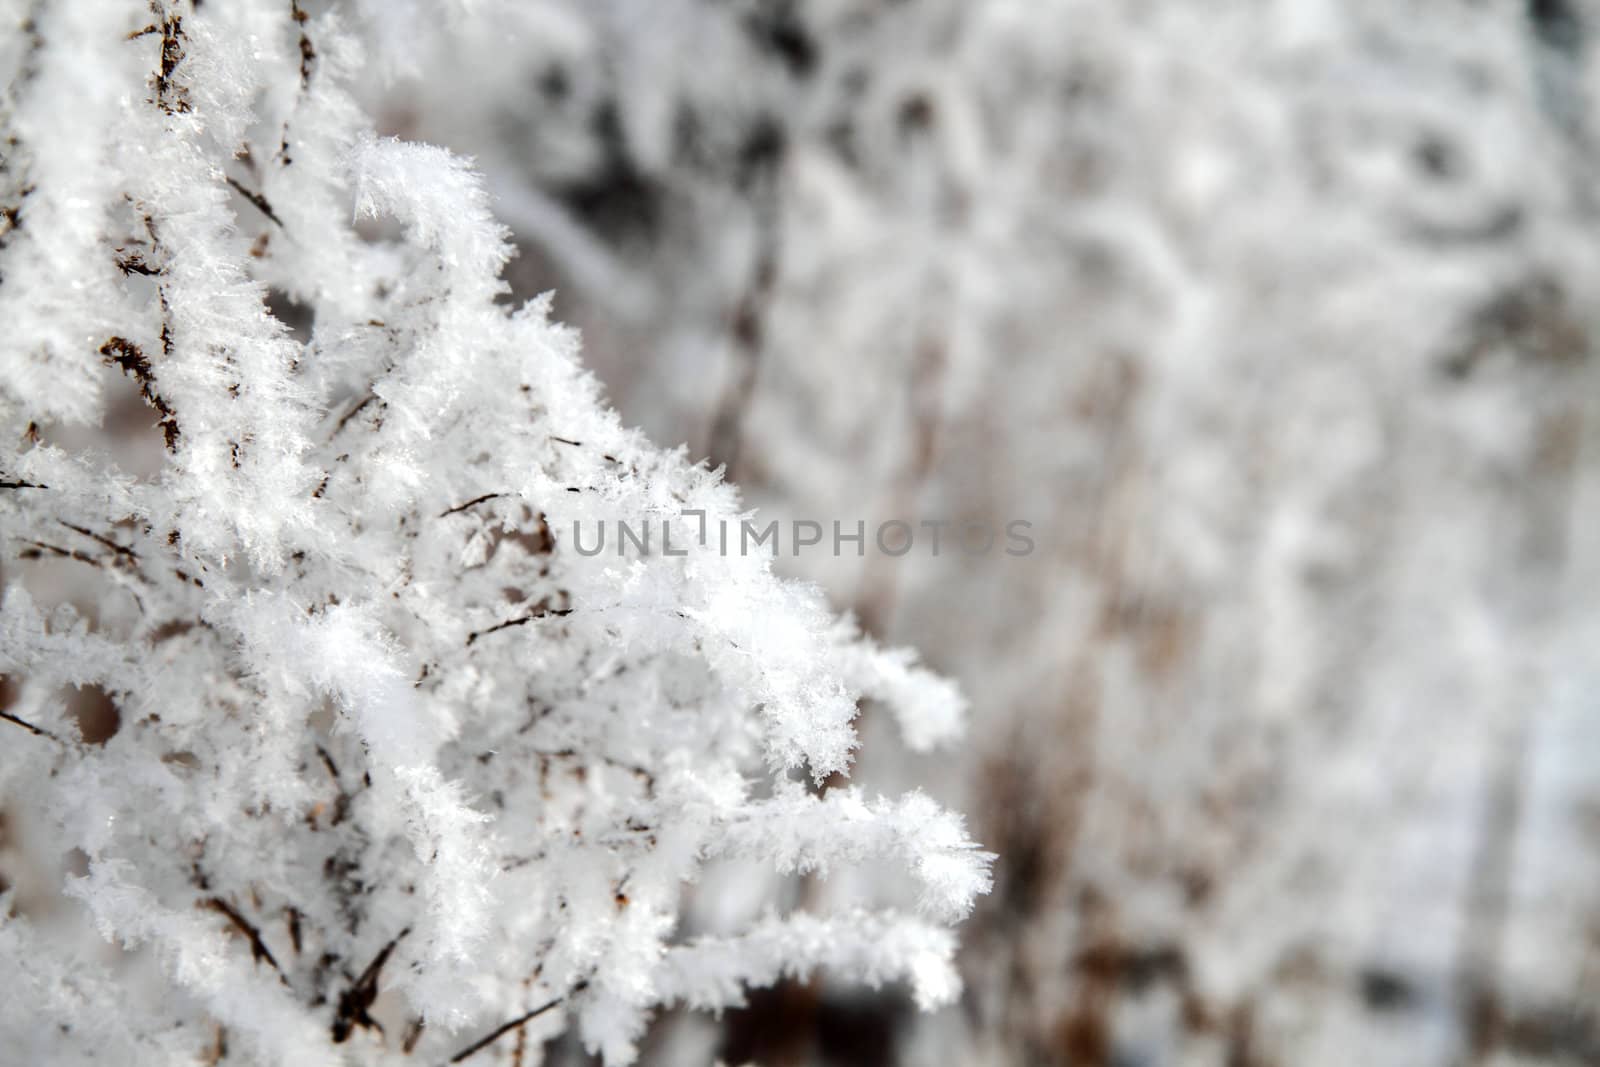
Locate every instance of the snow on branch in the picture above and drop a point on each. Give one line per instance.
(385, 767)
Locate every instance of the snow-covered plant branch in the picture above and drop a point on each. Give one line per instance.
(387, 751)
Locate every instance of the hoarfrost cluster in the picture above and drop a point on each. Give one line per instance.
(311, 709)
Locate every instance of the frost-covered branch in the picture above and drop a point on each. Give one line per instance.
(378, 729)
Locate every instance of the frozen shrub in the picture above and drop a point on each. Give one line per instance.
(384, 768)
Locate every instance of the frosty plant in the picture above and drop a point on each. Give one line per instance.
(394, 774)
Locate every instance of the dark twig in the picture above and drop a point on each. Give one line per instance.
(333, 768)
(257, 199)
(308, 52)
(542, 613)
(39, 548)
(352, 413)
(121, 550)
(470, 503)
(127, 355)
(622, 765)
(356, 1002)
(607, 456)
(170, 96)
(518, 1022)
(258, 948)
(28, 726)
(133, 263)
(341, 807)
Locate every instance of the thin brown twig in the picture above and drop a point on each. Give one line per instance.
(518, 1022)
(470, 503)
(356, 1002)
(40, 547)
(119, 549)
(258, 948)
(260, 202)
(542, 613)
(28, 726)
(352, 413)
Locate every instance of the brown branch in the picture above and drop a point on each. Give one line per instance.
(352, 413)
(611, 761)
(333, 768)
(356, 1002)
(170, 96)
(28, 726)
(307, 51)
(257, 199)
(543, 613)
(127, 355)
(341, 807)
(607, 456)
(121, 550)
(133, 263)
(470, 503)
(258, 948)
(39, 548)
(514, 1024)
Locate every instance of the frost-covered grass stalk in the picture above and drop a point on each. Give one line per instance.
(393, 767)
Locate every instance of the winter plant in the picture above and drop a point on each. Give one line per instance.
(379, 769)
